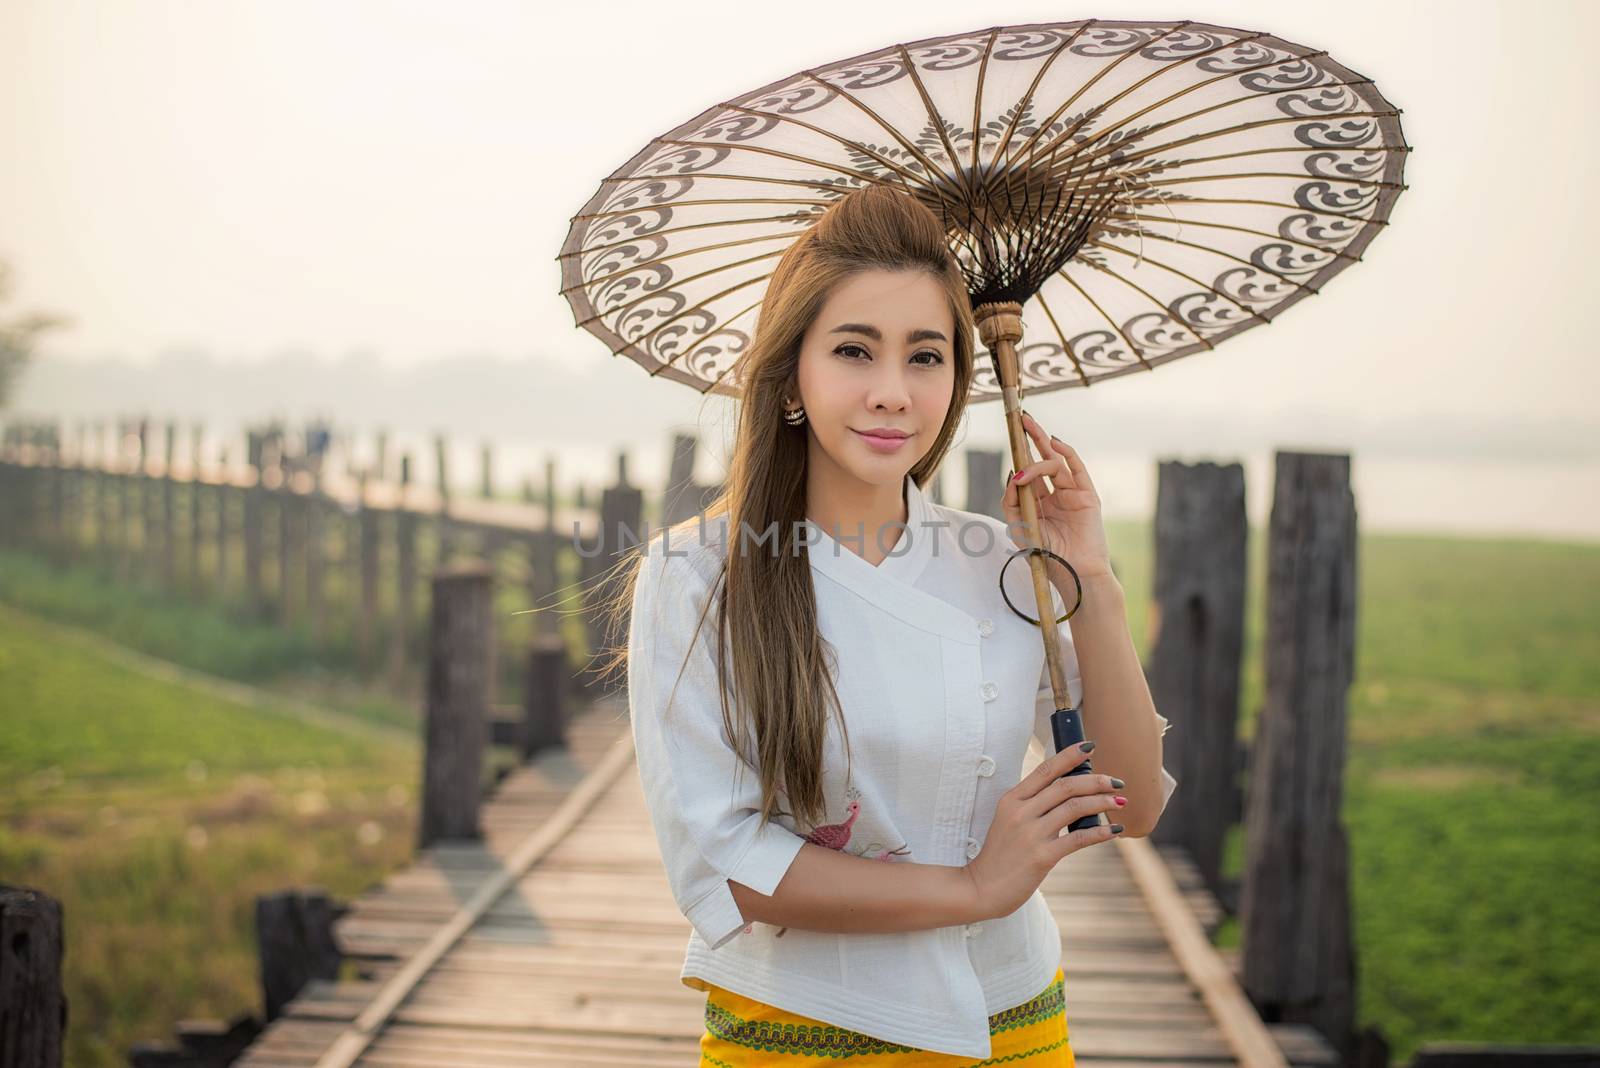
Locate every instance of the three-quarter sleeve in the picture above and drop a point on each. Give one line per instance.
(704, 801)
(1045, 700)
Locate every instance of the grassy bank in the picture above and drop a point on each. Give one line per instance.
(156, 812)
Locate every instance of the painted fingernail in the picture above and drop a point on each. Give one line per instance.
(1120, 800)
(1016, 476)
(1087, 747)
(1117, 783)
(1116, 828)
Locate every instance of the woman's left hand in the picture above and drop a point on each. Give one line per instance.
(1069, 516)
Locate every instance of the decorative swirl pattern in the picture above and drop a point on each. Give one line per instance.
(1154, 213)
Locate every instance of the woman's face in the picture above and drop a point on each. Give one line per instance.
(879, 356)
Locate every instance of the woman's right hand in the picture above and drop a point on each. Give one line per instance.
(1025, 841)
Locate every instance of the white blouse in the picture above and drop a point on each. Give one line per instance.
(942, 687)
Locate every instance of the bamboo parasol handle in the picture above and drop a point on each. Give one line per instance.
(1000, 328)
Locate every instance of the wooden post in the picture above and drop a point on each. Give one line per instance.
(441, 459)
(405, 527)
(985, 483)
(33, 1009)
(11, 496)
(132, 519)
(367, 613)
(169, 525)
(486, 461)
(294, 929)
(222, 494)
(681, 499)
(545, 698)
(57, 489)
(254, 496)
(105, 535)
(459, 691)
(284, 497)
(621, 522)
(1298, 961)
(543, 555)
(196, 491)
(311, 508)
(380, 464)
(1196, 651)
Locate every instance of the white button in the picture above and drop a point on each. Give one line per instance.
(986, 627)
(986, 765)
(972, 848)
(990, 691)
(973, 928)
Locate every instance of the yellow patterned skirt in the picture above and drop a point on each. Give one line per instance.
(741, 1033)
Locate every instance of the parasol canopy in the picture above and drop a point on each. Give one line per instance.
(1144, 190)
(1118, 194)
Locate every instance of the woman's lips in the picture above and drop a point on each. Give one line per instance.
(880, 443)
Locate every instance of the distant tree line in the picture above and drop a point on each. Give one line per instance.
(17, 337)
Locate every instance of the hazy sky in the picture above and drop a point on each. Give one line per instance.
(395, 179)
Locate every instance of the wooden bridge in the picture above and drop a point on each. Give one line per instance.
(555, 941)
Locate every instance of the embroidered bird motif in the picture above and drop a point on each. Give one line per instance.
(836, 835)
(833, 836)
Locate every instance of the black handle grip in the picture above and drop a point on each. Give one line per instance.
(1066, 725)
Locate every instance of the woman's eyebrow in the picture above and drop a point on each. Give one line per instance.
(875, 334)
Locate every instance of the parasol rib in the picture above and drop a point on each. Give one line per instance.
(853, 172)
(845, 94)
(1226, 255)
(937, 121)
(1141, 258)
(977, 98)
(1065, 134)
(673, 256)
(1274, 174)
(1027, 146)
(1301, 149)
(1346, 216)
(696, 307)
(717, 381)
(1141, 83)
(590, 250)
(745, 146)
(1225, 131)
(1241, 229)
(1026, 101)
(620, 212)
(1066, 346)
(1084, 293)
(652, 294)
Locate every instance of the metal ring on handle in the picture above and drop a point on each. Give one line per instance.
(1040, 549)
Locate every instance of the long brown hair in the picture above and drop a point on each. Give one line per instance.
(767, 614)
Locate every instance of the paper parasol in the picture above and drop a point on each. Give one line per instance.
(1120, 193)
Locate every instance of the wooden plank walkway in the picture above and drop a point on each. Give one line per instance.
(576, 963)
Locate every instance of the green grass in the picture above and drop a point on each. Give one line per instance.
(1472, 788)
(156, 813)
(1471, 795)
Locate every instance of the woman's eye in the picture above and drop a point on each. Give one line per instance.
(938, 358)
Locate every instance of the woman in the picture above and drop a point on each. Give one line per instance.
(837, 790)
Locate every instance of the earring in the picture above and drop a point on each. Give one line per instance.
(794, 416)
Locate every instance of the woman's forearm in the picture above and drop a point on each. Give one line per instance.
(825, 890)
(1118, 711)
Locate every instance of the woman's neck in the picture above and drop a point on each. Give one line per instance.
(865, 518)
